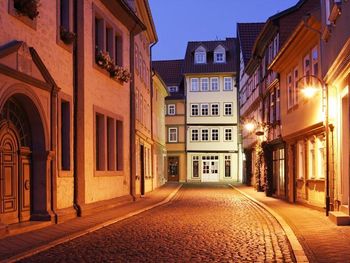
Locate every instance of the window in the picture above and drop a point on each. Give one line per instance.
(204, 84)
(214, 109)
(321, 158)
(278, 106)
(66, 22)
(272, 107)
(173, 89)
(314, 55)
(100, 142)
(307, 65)
(228, 109)
(219, 57)
(172, 136)
(194, 84)
(214, 84)
(214, 134)
(290, 90)
(219, 54)
(108, 143)
(65, 135)
(200, 56)
(111, 163)
(195, 166)
(301, 159)
(204, 109)
(228, 134)
(108, 39)
(295, 85)
(227, 166)
(227, 83)
(171, 109)
(194, 135)
(205, 135)
(194, 109)
(312, 159)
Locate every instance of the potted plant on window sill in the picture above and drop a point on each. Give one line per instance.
(27, 8)
(67, 36)
(104, 61)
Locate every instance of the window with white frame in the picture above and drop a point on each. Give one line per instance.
(228, 134)
(228, 109)
(290, 90)
(171, 109)
(312, 160)
(205, 134)
(278, 105)
(172, 134)
(214, 84)
(272, 107)
(214, 134)
(200, 56)
(173, 89)
(204, 84)
(227, 83)
(301, 159)
(219, 54)
(194, 84)
(214, 109)
(204, 109)
(306, 64)
(314, 56)
(194, 135)
(194, 109)
(321, 158)
(296, 85)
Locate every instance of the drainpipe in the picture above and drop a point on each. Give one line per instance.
(132, 153)
(53, 159)
(151, 86)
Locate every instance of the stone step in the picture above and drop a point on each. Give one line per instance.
(339, 218)
(344, 209)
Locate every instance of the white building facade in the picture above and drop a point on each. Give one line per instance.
(211, 112)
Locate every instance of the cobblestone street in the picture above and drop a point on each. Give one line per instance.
(204, 223)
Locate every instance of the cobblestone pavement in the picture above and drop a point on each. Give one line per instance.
(205, 223)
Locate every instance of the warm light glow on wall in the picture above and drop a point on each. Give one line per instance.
(332, 108)
(309, 91)
(249, 126)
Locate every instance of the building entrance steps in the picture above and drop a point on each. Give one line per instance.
(321, 239)
(16, 247)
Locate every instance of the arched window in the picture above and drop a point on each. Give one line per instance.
(200, 55)
(219, 54)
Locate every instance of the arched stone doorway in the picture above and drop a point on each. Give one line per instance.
(23, 161)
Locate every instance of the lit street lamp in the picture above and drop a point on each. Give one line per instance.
(309, 91)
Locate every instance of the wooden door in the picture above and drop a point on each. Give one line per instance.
(8, 176)
(173, 168)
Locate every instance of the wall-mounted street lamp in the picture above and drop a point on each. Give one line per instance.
(251, 125)
(313, 84)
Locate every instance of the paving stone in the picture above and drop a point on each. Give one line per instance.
(206, 223)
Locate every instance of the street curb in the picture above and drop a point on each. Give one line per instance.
(297, 249)
(54, 243)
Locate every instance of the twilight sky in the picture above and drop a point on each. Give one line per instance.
(180, 21)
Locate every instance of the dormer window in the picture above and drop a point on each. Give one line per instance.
(220, 54)
(173, 89)
(200, 55)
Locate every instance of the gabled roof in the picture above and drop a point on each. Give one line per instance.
(171, 73)
(210, 67)
(247, 34)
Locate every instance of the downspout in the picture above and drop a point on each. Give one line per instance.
(132, 153)
(53, 158)
(151, 86)
(76, 204)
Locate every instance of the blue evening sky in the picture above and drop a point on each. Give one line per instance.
(180, 21)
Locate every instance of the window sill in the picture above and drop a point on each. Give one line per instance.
(315, 180)
(65, 173)
(108, 173)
